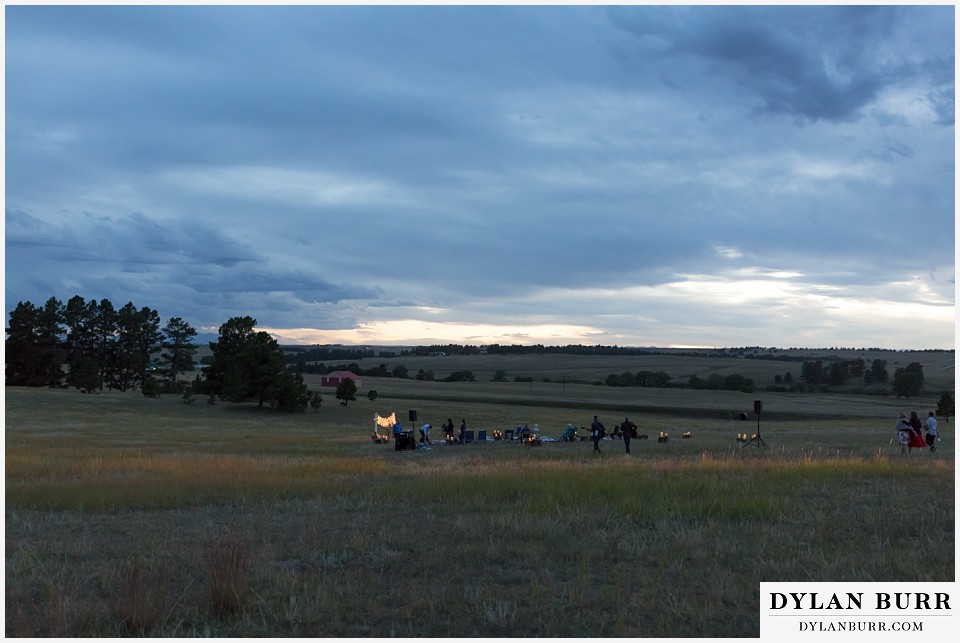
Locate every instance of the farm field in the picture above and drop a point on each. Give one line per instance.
(938, 366)
(128, 516)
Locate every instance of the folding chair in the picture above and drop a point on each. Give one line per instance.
(481, 436)
(508, 435)
(468, 437)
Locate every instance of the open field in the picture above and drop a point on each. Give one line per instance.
(135, 516)
(938, 366)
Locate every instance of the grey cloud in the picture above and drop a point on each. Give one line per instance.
(132, 240)
(481, 154)
(825, 63)
(942, 103)
(306, 287)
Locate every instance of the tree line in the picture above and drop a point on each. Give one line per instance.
(93, 346)
(908, 381)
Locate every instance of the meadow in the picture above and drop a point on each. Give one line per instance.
(128, 516)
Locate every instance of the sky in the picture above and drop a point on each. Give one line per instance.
(625, 175)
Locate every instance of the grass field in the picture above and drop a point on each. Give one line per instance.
(130, 516)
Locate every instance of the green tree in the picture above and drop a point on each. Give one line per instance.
(138, 337)
(499, 376)
(857, 367)
(650, 379)
(315, 401)
(908, 381)
(878, 371)
(233, 334)
(372, 395)
(737, 382)
(812, 372)
(401, 371)
(260, 364)
(838, 373)
(247, 365)
(346, 391)
(80, 343)
(34, 355)
(945, 406)
(105, 330)
(178, 346)
(86, 374)
(291, 395)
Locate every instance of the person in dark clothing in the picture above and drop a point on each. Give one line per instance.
(627, 428)
(596, 432)
(916, 435)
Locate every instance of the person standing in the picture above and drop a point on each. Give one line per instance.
(916, 436)
(463, 430)
(931, 426)
(903, 434)
(596, 432)
(398, 438)
(627, 428)
(448, 429)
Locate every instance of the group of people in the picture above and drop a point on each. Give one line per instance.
(448, 432)
(627, 430)
(914, 434)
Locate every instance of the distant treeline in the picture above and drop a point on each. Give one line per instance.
(297, 354)
(746, 352)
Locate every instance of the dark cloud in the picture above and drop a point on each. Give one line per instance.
(131, 240)
(818, 64)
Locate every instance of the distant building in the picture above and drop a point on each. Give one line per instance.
(333, 379)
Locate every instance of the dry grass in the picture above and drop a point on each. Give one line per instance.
(230, 522)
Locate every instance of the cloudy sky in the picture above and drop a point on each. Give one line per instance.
(631, 175)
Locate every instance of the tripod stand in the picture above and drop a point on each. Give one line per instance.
(756, 440)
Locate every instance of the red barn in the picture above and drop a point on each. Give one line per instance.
(333, 379)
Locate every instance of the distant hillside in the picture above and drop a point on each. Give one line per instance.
(593, 365)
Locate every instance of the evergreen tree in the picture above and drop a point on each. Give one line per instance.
(878, 371)
(80, 343)
(945, 406)
(247, 364)
(839, 373)
(812, 372)
(178, 347)
(34, 356)
(291, 395)
(233, 335)
(138, 338)
(104, 320)
(346, 391)
(908, 381)
(261, 363)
